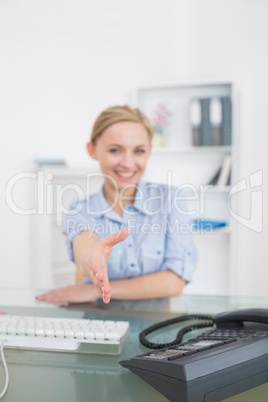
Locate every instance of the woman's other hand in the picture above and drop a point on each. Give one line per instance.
(70, 294)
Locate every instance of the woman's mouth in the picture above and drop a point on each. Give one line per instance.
(125, 175)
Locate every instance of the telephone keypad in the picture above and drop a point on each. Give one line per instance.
(206, 341)
(186, 349)
(260, 334)
(197, 345)
(235, 333)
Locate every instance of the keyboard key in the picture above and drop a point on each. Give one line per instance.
(40, 332)
(99, 335)
(69, 333)
(30, 331)
(79, 334)
(89, 335)
(21, 330)
(59, 333)
(49, 332)
(11, 329)
(112, 336)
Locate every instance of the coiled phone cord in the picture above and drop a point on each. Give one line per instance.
(209, 322)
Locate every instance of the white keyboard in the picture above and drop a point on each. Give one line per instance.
(62, 334)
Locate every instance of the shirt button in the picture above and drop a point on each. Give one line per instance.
(129, 245)
(132, 265)
(158, 252)
(189, 253)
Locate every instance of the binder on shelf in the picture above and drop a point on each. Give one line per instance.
(226, 121)
(205, 124)
(211, 121)
(215, 116)
(195, 120)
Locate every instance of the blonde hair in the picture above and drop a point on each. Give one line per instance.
(116, 114)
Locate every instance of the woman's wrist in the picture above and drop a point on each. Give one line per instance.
(94, 294)
(84, 245)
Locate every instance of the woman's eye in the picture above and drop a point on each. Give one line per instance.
(140, 151)
(114, 150)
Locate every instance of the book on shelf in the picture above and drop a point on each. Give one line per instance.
(215, 178)
(211, 121)
(206, 224)
(49, 161)
(223, 174)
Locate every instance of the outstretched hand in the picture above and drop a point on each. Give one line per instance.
(96, 267)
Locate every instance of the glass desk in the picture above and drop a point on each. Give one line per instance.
(70, 377)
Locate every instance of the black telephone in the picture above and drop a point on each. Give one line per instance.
(229, 358)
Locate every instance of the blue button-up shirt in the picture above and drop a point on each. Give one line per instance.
(159, 237)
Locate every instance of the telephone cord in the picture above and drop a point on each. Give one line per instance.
(208, 322)
(5, 368)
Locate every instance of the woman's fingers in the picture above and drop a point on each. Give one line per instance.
(112, 240)
(98, 275)
(104, 248)
(106, 293)
(103, 287)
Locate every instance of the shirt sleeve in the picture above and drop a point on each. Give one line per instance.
(180, 251)
(77, 220)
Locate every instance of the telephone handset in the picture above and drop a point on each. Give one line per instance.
(237, 318)
(230, 319)
(230, 357)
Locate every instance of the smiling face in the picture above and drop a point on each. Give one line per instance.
(122, 151)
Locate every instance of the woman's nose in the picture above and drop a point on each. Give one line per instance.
(127, 160)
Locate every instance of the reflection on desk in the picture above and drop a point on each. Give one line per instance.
(70, 377)
(46, 376)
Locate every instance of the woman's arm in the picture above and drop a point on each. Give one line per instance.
(91, 254)
(155, 285)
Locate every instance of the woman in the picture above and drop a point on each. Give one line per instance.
(127, 238)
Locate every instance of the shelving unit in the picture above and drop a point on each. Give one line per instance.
(192, 150)
(180, 163)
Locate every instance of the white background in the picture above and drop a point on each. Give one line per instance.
(63, 61)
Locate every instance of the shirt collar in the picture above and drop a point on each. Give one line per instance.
(105, 208)
(102, 208)
(140, 196)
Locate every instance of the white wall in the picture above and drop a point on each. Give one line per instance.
(61, 62)
(227, 39)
